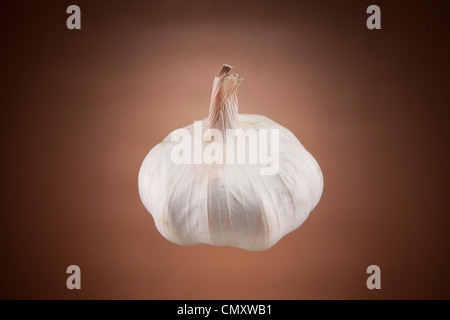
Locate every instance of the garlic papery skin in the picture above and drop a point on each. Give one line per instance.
(226, 203)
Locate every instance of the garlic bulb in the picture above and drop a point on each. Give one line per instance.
(226, 181)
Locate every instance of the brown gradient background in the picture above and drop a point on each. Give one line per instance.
(81, 109)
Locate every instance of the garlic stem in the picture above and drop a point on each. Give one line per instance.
(223, 110)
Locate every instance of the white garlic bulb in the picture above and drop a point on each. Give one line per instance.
(198, 192)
